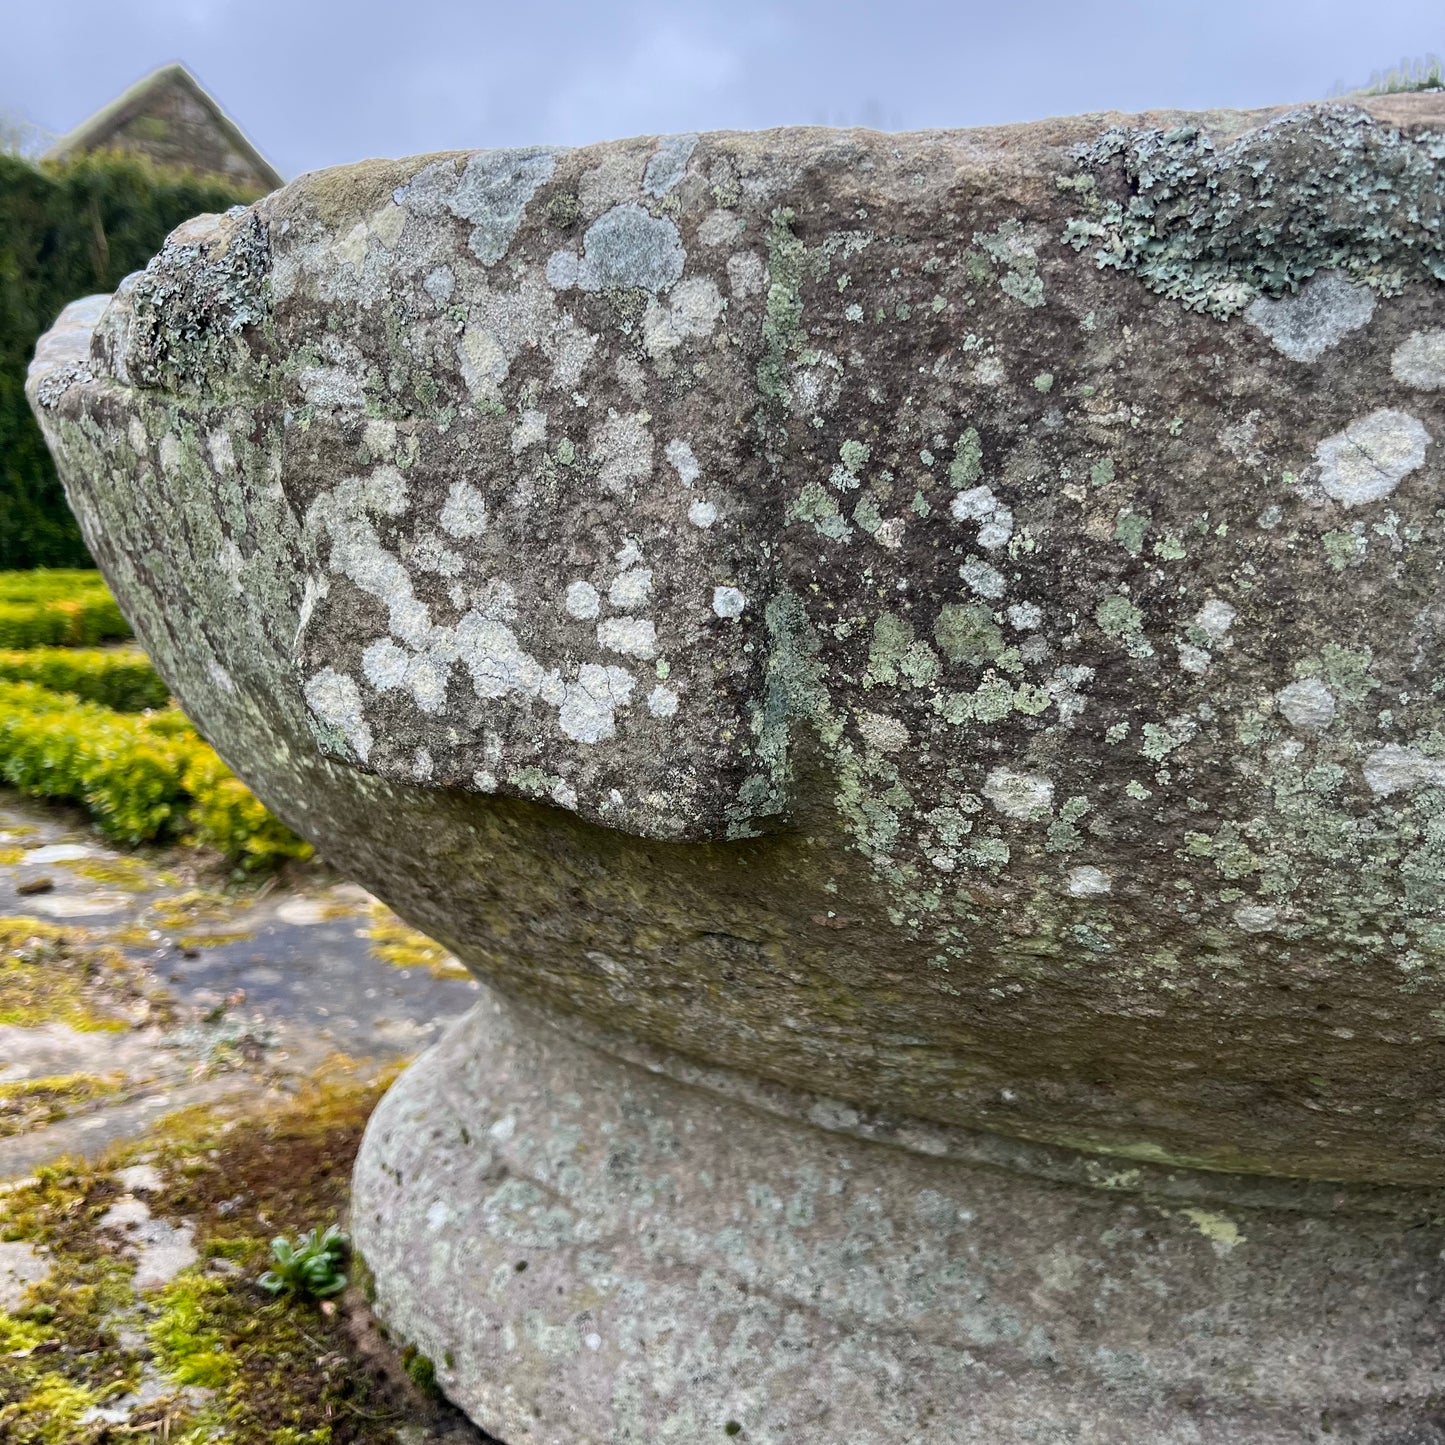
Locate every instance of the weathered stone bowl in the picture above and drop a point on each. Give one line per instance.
(913, 666)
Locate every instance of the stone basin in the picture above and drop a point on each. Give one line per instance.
(912, 667)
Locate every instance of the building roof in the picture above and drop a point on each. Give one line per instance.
(121, 126)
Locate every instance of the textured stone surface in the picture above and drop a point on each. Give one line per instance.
(949, 621)
(599, 1251)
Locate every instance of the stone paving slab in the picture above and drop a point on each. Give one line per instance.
(232, 988)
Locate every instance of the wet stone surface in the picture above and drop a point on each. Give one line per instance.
(217, 987)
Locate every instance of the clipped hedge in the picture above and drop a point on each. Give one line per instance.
(47, 584)
(143, 776)
(62, 622)
(69, 230)
(119, 678)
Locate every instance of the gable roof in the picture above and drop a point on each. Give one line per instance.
(102, 131)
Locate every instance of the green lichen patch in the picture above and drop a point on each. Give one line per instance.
(1323, 187)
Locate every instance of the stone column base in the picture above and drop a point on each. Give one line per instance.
(595, 1249)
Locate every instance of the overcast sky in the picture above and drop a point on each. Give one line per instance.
(318, 82)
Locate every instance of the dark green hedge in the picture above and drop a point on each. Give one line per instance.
(68, 231)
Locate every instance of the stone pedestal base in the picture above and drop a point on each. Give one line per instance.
(595, 1250)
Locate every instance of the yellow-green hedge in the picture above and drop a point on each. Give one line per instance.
(120, 678)
(45, 584)
(58, 607)
(142, 776)
(62, 622)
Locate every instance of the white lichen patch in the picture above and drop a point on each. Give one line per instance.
(628, 249)
(631, 636)
(464, 513)
(1214, 619)
(1193, 659)
(1019, 795)
(631, 589)
(883, 733)
(622, 448)
(680, 457)
(562, 268)
(1307, 704)
(692, 311)
(720, 227)
(1086, 881)
(498, 663)
(218, 444)
(1317, 317)
(702, 514)
(1419, 361)
(1370, 458)
(491, 193)
(530, 430)
(1395, 769)
(979, 504)
(335, 701)
(728, 601)
(982, 579)
(662, 701)
(384, 665)
(439, 283)
(483, 363)
(425, 675)
(583, 600)
(747, 274)
(668, 164)
(1256, 917)
(1025, 616)
(589, 707)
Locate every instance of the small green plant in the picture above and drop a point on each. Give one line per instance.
(1409, 76)
(310, 1268)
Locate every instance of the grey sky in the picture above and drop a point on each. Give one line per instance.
(317, 82)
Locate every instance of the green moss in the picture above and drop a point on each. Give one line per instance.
(50, 974)
(188, 1343)
(281, 1372)
(130, 875)
(420, 1370)
(395, 943)
(50, 1413)
(34, 1103)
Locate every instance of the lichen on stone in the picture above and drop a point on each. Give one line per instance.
(1323, 187)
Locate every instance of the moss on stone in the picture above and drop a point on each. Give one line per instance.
(50, 974)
